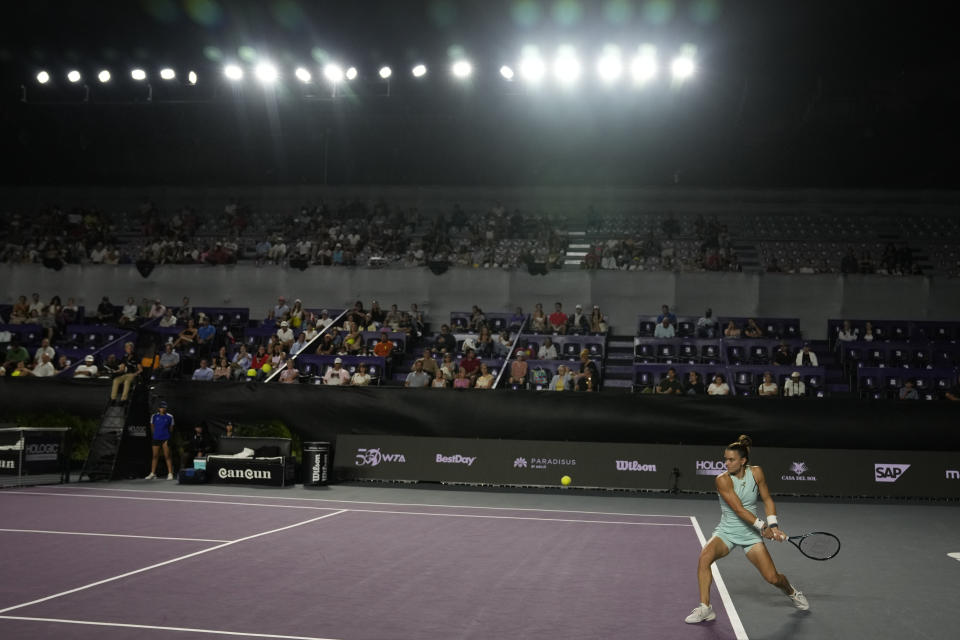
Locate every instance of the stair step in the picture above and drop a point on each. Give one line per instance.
(616, 370)
(615, 383)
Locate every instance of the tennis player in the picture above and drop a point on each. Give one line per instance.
(161, 426)
(739, 489)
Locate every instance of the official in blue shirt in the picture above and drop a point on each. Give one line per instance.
(161, 428)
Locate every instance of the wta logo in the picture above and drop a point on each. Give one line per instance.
(373, 457)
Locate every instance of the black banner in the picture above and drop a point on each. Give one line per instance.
(636, 466)
(249, 472)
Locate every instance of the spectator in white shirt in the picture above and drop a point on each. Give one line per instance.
(768, 387)
(87, 369)
(719, 386)
(285, 334)
(44, 350)
(45, 369)
(168, 319)
(794, 387)
(664, 329)
(806, 358)
(324, 321)
(129, 313)
(547, 351)
(361, 378)
(336, 375)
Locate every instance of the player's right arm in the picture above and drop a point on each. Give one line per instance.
(725, 489)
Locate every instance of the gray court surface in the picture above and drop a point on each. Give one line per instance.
(893, 577)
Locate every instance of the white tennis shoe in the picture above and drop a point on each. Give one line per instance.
(169, 476)
(799, 600)
(702, 613)
(152, 476)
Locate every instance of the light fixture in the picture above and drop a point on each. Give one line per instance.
(192, 77)
(385, 72)
(419, 71)
(610, 66)
(682, 67)
(303, 74)
(265, 72)
(43, 77)
(566, 67)
(138, 74)
(103, 76)
(506, 72)
(167, 73)
(233, 72)
(73, 76)
(462, 69)
(351, 73)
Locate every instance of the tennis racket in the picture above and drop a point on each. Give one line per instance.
(817, 545)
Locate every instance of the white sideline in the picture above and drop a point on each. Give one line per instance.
(166, 562)
(109, 535)
(154, 627)
(738, 629)
(388, 504)
(407, 513)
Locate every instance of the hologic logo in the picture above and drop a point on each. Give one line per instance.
(455, 459)
(798, 472)
(953, 474)
(633, 465)
(886, 472)
(710, 467)
(245, 474)
(35, 452)
(373, 457)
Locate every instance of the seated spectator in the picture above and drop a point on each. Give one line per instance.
(518, 369)
(352, 343)
(290, 373)
(297, 315)
(517, 318)
(384, 347)
(719, 386)
(417, 322)
(707, 325)
(45, 368)
(562, 380)
(328, 344)
(732, 330)
(538, 319)
(794, 386)
(665, 313)
(15, 353)
(44, 350)
(169, 364)
(440, 382)
(128, 315)
(502, 345)
(752, 330)
(429, 364)
(111, 366)
(806, 357)
(361, 377)
(847, 333)
(86, 369)
(62, 364)
(157, 309)
(199, 445)
(664, 329)
(336, 375)
(578, 322)
(168, 320)
(768, 388)
(20, 370)
(558, 319)
(240, 362)
(470, 364)
(299, 345)
(278, 356)
(203, 372)
(588, 378)
(461, 381)
(598, 323)
(446, 342)
(782, 356)
(670, 384)
(105, 311)
(448, 367)
(868, 332)
(484, 343)
(20, 314)
(693, 386)
(418, 378)
(187, 337)
(477, 319)
(185, 312)
(908, 391)
(222, 370)
(324, 320)
(547, 351)
(285, 335)
(486, 379)
(392, 318)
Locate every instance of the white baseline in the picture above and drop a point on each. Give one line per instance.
(738, 629)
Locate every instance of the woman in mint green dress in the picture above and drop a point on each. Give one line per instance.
(740, 488)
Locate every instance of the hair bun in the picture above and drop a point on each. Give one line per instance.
(745, 440)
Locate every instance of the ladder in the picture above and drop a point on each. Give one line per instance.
(101, 462)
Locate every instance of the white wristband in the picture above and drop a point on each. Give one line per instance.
(772, 520)
(758, 525)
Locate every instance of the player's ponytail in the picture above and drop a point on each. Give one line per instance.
(741, 446)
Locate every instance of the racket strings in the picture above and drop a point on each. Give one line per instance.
(820, 545)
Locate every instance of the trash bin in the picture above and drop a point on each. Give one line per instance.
(316, 463)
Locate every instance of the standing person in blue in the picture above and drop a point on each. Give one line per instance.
(161, 429)
(739, 489)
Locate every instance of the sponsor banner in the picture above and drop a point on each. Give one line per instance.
(638, 466)
(241, 471)
(9, 463)
(138, 430)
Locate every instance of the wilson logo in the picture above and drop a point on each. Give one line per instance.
(633, 465)
(8, 464)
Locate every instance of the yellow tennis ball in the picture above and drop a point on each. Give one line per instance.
(251, 373)
(266, 368)
(566, 480)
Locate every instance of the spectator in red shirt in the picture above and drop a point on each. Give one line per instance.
(470, 364)
(383, 348)
(558, 319)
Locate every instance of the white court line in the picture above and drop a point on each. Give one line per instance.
(388, 504)
(166, 562)
(297, 506)
(738, 629)
(150, 626)
(109, 535)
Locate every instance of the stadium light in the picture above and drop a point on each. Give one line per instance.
(385, 72)
(73, 76)
(303, 75)
(462, 69)
(351, 73)
(138, 74)
(419, 71)
(103, 76)
(610, 65)
(643, 68)
(506, 72)
(43, 77)
(167, 73)
(532, 67)
(566, 67)
(265, 72)
(192, 77)
(233, 72)
(682, 67)
(333, 73)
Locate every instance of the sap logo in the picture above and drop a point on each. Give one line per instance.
(373, 457)
(885, 472)
(633, 465)
(953, 474)
(8, 464)
(455, 459)
(710, 467)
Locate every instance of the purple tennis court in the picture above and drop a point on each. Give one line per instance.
(100, 563)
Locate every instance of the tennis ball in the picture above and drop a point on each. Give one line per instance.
(566, 480)
(251, 373)
(266, 368)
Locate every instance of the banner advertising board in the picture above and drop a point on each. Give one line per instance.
(825, 472)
